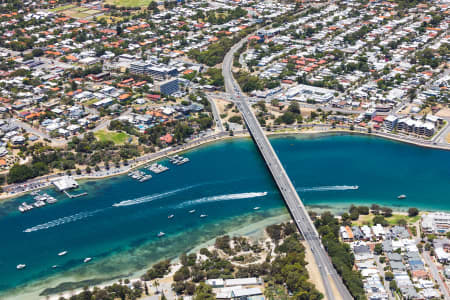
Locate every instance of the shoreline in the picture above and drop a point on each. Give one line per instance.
(253, 231)
(221, 137)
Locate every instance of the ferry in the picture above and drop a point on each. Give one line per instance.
(401, 196)
(62, 253)
(161, 234)
(192, 211)
(170, 217)
(20, 266)
(256, 208)
(203, 216)
(87, 259)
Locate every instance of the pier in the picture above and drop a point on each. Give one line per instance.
(293, 202)
(74, 196)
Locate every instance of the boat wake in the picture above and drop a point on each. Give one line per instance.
(150, 198)
(328, 188)
(222, 198)
(64, 220)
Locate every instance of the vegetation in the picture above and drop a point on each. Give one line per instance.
(341, 256)
(118, 138)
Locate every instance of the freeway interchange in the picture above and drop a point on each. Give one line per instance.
(290, 196)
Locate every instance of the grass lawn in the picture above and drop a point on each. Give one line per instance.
(130, 3)
(367, 219)
(395, 218)
(118, 138)
(80, 12)
(60, 8)
(110, 19)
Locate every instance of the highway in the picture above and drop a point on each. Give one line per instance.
(290, 196)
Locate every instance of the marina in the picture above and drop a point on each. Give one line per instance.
(157, 168)
(178, 160)
(40, 201)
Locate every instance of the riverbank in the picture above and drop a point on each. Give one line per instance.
(216, 138)
(117, 223)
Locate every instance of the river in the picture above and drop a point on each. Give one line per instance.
(117, 223)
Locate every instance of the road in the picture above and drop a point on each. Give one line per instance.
(290, 196)
(435, 274)
(380, 268)
(216, 114)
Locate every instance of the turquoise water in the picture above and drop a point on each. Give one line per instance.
(118, 222)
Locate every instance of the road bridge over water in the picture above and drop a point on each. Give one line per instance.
(295, 206)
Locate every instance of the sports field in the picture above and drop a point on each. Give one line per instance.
(129, 3)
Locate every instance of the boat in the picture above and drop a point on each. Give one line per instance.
(20, 266)
(51, 200)
(62, 253)
(54, 266)
(401, 196)
(87, 259)
(170, 217)
(256, 208)
(192, 211)
(161, 234)
(203, 216)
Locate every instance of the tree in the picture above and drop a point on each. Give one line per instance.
(388, 276)
(402, 222)
(203, 292)
(380, 220)
(412, 212)
(294, 107)
(378, 249)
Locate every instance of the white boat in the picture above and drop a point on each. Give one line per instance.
(192, 211)
(54, 266)
(62, 253)
(203, 216)
(87, 259)
(161, 234)
(256, 208)
(170, 217)
(401, 196)
(20, 266)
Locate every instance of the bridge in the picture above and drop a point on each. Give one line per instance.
(290, 196)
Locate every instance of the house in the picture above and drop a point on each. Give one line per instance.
(168, 138)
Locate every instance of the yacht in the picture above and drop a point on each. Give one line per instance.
(54, 266)
(20, 266)
(170, 217)
(256, 208)
(87, 259)
(161, 234)
(203, 216)
(401, 196)
(62, 253)
(192, 211)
